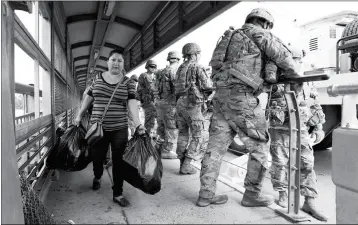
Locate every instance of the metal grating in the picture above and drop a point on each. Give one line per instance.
(313, 44)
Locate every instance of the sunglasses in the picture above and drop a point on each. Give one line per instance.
(153, 67)
(175, 58)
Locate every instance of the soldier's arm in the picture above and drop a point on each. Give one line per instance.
(274, 49)
(204, 79)
(140, 87)
(156, 85)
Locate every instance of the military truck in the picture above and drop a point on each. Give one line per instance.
(331, 47)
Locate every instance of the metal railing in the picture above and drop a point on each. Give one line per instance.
(349, 106)
(25, 118)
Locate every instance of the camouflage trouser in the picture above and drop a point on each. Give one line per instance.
(167, 128)
(207, 119)
(150, 118)
(190, 118)
(235, 113)
(280, 156)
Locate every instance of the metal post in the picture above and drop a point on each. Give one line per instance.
(292, 213)
(53, 112)
(12, 209)
(36, 65)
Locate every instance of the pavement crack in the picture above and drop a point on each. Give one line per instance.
(125, 216)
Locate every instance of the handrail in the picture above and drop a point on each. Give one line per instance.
(345, 89)
(349, 103)
(26, 117)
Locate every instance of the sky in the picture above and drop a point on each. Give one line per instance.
(288, 17)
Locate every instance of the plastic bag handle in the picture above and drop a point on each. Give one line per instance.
(137, 134)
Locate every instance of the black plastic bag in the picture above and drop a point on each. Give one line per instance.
(142, 156)
(51, 161)
(71, 153)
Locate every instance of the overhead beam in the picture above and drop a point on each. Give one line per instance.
(81, 72)
(108, 25)
(80, 67)
(88, 43)
(93, 17)
(81, 18)
(101, 67)
(87, 57)
(100, 9)
(128, 23)
(81, 58)
(81, 44)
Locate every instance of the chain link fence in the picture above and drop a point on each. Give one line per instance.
(34, 210)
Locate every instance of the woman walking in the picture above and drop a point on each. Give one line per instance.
(115, 122)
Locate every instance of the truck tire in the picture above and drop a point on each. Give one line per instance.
(351, 29)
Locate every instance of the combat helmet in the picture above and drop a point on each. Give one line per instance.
(173, 54)
(190, 49)
(263, 14)
(150, 62)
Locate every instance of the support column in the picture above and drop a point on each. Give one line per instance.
(12, 211)
(36, 65)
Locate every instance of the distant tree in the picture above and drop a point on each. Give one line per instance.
(19, 101)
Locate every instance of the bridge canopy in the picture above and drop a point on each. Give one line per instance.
(139, 29)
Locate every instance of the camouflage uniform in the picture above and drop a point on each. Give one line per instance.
(311, 114)
(191, 116)
(167, 127)
(237, 110)
(147, 95)
(131, 124)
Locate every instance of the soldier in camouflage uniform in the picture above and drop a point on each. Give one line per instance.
(311, 115)
(237, 64)
(148, 96)
(167, 128)
(192, 85)
(130, 120)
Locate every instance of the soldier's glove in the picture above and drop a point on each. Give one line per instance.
(317, 134)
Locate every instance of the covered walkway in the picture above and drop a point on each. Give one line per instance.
(71, 198)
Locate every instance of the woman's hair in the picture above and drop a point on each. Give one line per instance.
(115, 51)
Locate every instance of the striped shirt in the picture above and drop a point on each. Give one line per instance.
(117, 114)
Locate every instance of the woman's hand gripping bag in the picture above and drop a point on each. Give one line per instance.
(141, 155)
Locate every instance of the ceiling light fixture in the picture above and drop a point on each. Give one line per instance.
(108, 8)
(96, 53)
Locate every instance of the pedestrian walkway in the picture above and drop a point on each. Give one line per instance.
(71, 198)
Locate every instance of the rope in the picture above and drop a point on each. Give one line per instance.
(270, 178)
(245, 153)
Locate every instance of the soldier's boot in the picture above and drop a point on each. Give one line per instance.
(256, 199)
(216, 200)
(282, 199)
(186, 167)
(309, 207)
(181, 162)
(169, 155)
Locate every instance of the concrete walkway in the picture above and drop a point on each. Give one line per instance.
(71, 198)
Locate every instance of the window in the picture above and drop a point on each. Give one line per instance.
(58, 54)
(45, 87)
(23, 66)
(45, 32)
(28, 19)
